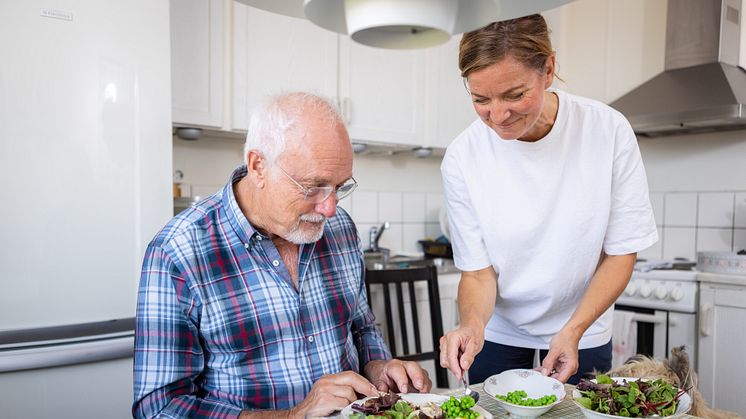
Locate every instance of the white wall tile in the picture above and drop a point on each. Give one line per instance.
(413, 207)
(365, 206)
(392, 238)
(346, 204)
(653, 252)
(433, 203)
(739, 239)
(432, 231)
(680, 210)
(715, 209)
(656, 200)
(679, 242)
(740, 209)
(411, 234)
(390, 207)
(714, 239)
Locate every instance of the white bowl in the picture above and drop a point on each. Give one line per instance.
(532, 382)
(683, 406)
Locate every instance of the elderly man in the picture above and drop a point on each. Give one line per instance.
(252, 303)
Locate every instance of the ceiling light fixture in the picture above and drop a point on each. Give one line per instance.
(403, 24)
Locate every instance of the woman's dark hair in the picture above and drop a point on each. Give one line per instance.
(526, 39)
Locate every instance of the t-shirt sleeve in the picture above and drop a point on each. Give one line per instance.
(631, 222)
(469, 250)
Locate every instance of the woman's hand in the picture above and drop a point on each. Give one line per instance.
(562, 360)
(459, 347)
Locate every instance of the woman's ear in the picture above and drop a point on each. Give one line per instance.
(549, 71)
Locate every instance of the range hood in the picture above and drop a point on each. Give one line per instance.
(702, 89)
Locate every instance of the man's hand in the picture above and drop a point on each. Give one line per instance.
(331, 393)
(562, 360)
(398, 376)
(459, 347)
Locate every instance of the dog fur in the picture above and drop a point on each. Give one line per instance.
(678, 372)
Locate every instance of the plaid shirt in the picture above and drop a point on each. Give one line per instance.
(220, 326)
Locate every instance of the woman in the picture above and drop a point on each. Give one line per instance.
(548, 206)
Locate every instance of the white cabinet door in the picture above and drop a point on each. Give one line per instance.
(274, 53)
(197, 39)
(721, 346)
(450, 110)
(635, 48)
(581, 48)
(382, 93)
(606, 48)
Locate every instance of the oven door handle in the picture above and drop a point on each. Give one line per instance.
(648, 318)
(704, 320)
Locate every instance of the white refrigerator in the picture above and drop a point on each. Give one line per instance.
(85, 176)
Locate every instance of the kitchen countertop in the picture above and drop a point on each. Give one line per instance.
(717, 278)
(444, 266)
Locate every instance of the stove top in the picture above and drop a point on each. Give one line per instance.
(661, 289)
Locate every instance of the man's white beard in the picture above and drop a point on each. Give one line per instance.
(298, 236)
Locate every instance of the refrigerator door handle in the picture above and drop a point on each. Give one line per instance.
(66, 345)
(67, 354)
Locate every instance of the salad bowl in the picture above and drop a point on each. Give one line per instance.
(684, 403)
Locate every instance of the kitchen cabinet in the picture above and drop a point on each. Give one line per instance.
(274, 53)
(449, 108)
(722, 316)
(382, 93)
(227, 57)
(198, 40)
(606, 48)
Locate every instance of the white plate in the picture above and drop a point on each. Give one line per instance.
(682, 407)
(419, 399)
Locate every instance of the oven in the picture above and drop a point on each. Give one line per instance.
(663, 306)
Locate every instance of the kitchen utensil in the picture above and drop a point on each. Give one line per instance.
(469, 392)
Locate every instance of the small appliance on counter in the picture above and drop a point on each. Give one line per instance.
(733, 263)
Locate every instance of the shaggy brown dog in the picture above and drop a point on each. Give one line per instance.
(678, 372)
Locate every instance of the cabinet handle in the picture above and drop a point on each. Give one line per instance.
(704, 319)
(346, 111)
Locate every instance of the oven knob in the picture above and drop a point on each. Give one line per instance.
(677, 294)
(661, 292)
(631, 289)
(645, 291)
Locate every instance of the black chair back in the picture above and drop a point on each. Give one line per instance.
(401, 280)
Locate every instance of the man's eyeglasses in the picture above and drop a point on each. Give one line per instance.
(319, 194)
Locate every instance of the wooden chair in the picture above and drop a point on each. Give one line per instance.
(396, 278)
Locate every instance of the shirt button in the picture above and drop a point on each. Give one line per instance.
(275, 263)
(258, 237)
(310, 339)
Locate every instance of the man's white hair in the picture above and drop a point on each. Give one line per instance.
(281, 118)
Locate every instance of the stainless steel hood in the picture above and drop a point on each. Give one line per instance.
(702, 88)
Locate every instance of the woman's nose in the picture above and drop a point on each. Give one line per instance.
(499, 112)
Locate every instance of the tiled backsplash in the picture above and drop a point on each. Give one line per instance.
(412, 216)
(690, 222)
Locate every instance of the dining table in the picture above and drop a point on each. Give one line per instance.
(565, 409)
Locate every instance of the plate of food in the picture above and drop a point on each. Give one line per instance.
(415, 405)
(613, 397)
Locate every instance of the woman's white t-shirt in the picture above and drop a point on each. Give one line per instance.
(541, 213)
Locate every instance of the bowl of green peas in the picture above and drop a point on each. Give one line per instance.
(525, 393)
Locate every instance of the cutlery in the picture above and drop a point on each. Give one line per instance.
(469, 392)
